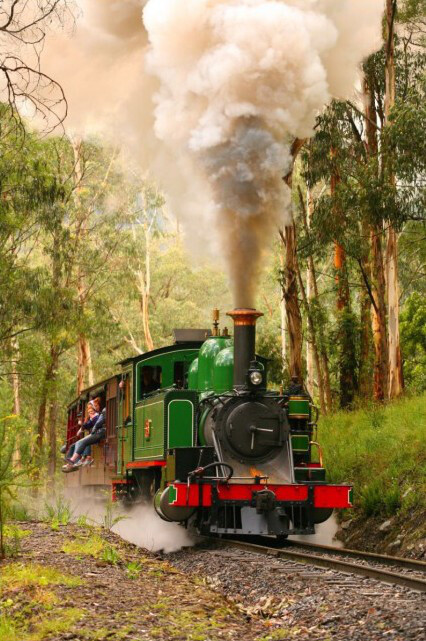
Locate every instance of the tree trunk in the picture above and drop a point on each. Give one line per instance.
(147, 291)
(144, 302)
(15, 376)
(16, 405)
(312, 337)
(84, 364)
(364, 381)
(310, 378)
(294, 317)
(2, 550)
(283, 322)
(52, 460)
(379, 317)
(395, 373)
(84, 359)
(324, 373)
(143, 283)
(378, 289)
(347, 356)
(49, 384)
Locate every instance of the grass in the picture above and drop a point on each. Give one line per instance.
(13, 536)
(196, 623)
(29, 608)
(382, 451)
(12, 531)
(133, 569)
(60, 623)
(93, 546)
(12, 629)
(18, 576)
(58, 513)
(280, 634)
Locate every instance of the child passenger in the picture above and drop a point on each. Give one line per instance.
(97, 426)
(91, 418)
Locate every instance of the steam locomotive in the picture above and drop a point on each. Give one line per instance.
(194, 428)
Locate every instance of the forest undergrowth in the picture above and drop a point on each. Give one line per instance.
(381, 450)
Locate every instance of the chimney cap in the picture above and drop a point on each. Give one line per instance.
(244, 315)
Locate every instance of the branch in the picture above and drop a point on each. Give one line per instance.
(11, 15)
(368, 286)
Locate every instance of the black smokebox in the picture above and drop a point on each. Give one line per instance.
(244, 342)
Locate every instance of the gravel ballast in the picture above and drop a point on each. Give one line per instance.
(305, 602)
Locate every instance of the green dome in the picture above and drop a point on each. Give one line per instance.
(223, 372)
(206, 361)
(193, 375)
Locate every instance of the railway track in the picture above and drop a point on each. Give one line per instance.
(406, 572)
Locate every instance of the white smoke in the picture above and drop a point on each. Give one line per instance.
(231, 84)
(138, 524)
(143, 527)
(240, 80)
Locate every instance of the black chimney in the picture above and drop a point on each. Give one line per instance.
(244, 342)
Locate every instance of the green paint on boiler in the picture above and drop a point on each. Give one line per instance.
(300, 443)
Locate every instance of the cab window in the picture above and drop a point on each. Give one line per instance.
(179, 374)
(150, 379)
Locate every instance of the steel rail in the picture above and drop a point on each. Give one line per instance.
(339, 565)
(411, 564)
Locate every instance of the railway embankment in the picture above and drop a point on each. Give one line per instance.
(80, 583)
(382, 451)
(87, 584)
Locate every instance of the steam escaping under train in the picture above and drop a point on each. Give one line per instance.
(194, 428)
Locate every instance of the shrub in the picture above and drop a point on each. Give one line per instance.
(380, 449)
(58, 513)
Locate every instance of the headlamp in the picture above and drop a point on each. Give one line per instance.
(256, 377)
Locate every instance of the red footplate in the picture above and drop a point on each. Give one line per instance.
(325, 496)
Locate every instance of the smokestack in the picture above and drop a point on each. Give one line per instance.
(244, 342)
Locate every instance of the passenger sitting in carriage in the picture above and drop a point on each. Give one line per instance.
(97, 426)
(91, 418)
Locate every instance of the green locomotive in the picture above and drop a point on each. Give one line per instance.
(193, 428)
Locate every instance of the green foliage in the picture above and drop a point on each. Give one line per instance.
(381, 450)
(19, 575)
(83, 521)
(413, 338)
(94, 546)
(82, 236)
(59, 512)
(11, 477)
(110, 555)
(376, 500)
(111, 516)
(13, 536)
(133, 569)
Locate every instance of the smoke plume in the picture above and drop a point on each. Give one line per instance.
(209, 95)
(239, 81)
